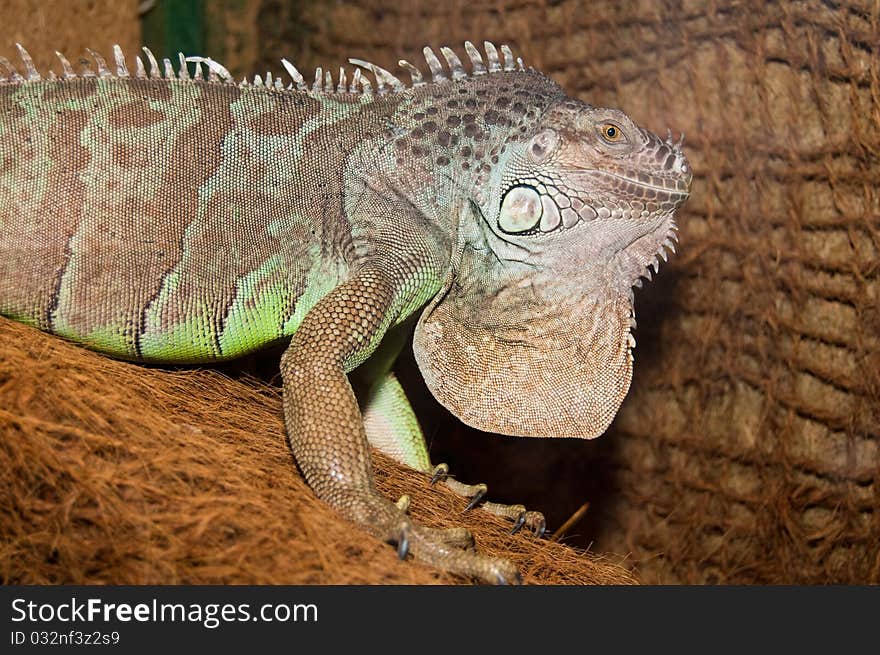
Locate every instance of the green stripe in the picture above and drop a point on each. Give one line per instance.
(255, 317)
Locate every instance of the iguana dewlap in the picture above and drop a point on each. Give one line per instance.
(159, 217)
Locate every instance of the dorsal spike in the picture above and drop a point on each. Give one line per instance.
(244, 82)
(140, 71)
(66, 68)
(476, 58)
(492, 57)
(121, 67)
(30, 70)
(197, 75)
(258, 81)
(508, 58)
(279, 85)
(342, 86)
(455, 67)
(155, 73)
(270, 80)
(328, 82)
(437, 74)
(355, 81)
(51, 76)
(366, 86)
(414, 73)
(318, 84)
(103, 71)
(215, 69)
(183, 73)
(519, 63)
(297, 77)
(384, 79)
(12, 74)
(169, 69)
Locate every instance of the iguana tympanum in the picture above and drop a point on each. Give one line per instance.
(161, 216)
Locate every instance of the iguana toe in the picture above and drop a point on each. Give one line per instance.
(477, 498)
(441, 471)
(476, 494)
(448, 549)
(457, 538)
(534, 521)
(403, 503)
(505, 575)
(453, 550)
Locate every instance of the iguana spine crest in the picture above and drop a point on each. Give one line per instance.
(385, 81)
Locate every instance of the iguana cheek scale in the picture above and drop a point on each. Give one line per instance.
(160, 217)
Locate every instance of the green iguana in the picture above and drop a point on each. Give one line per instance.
(160, 216)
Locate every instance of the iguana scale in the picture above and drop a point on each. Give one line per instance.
(160, 217)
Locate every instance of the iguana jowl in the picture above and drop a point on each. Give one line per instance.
(160, 217)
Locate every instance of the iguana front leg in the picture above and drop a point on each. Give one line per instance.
(327, 434)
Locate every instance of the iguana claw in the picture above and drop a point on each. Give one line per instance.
(477, 498)
(520, 521)
(476, 493)
(451, 549)
(535, 520)
(441, 472)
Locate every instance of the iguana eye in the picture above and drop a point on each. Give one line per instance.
(612, 133)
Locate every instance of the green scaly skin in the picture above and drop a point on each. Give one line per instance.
(160, 218)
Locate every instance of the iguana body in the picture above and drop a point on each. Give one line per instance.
(165, 219)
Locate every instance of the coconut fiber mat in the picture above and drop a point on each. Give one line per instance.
(119, 473)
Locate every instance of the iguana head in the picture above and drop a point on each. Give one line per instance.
(531, 335)
(590, 176)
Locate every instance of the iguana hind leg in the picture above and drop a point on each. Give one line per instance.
(393, 428)
(327, 434)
